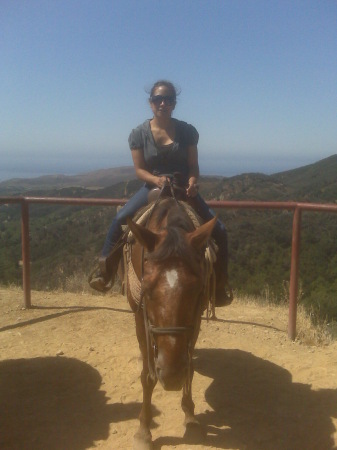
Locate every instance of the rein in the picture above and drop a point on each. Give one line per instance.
(151, 331)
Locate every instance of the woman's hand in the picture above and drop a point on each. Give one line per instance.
(192, 190)
(161, 181)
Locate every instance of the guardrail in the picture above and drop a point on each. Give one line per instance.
(296, 207)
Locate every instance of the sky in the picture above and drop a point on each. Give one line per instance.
(258, 80)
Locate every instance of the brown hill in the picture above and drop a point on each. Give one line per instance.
(91, 180)
(314, 182)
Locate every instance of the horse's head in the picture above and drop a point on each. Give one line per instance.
(172, 289)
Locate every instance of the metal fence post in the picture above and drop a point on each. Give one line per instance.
(294, 271)
(25, 253)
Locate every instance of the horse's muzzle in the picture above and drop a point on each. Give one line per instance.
(172, 378)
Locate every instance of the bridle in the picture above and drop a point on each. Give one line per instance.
(152, 331)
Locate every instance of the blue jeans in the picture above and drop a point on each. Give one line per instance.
(136, 202)
(140, 199)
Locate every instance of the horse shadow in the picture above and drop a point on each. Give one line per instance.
(255, 405)
(55, 403)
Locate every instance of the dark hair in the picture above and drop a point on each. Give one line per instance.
(168, 84)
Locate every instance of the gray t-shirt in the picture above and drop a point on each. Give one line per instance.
(168, 158)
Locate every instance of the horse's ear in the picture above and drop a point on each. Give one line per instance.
(145, 237)
(198, 237)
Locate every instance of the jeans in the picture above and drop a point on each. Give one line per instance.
(140, 199)
(136, 202)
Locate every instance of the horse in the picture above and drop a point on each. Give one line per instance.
(166, 291)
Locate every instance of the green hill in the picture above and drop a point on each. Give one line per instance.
(315, 182)
(66, 239)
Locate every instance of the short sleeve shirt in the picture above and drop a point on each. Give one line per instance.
(166, 159)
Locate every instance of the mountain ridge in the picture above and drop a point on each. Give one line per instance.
(90, 180)
(311, 181)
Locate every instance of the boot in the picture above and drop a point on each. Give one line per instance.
(103, 279)
(223, 290)
(223, 293)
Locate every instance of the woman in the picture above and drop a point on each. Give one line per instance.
(159, 146)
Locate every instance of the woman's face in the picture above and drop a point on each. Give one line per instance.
(162, 102)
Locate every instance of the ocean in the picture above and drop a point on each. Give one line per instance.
(36, 167)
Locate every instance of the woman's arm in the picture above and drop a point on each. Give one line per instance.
(193, 172)
(142, 171)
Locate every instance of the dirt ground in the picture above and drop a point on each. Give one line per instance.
(69, 379)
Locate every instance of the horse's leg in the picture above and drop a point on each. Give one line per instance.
(187, 403)
(194, 432)
(143, 437)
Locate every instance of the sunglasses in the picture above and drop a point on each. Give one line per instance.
(168, 100)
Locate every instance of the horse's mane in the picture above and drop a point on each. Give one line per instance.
(177, 223)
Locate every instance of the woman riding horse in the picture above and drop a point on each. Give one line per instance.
(159, 146)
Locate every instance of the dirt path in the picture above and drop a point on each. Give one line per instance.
(69, 380)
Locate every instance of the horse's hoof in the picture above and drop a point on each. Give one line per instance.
(142, 442)
(194, 433)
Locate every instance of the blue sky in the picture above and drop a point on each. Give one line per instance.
(258, 80)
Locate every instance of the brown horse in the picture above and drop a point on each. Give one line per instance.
(168, 258)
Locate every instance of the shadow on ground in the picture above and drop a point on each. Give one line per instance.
(55, 403)
(254, 405)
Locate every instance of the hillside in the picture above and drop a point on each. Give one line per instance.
(91, 180)
(315, 182)
(65, 240)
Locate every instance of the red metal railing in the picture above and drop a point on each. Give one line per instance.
(290, 206)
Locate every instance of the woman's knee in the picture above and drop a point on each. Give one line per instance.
(132, 206)
(121, 216)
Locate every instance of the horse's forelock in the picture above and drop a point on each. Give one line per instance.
(177, 223)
